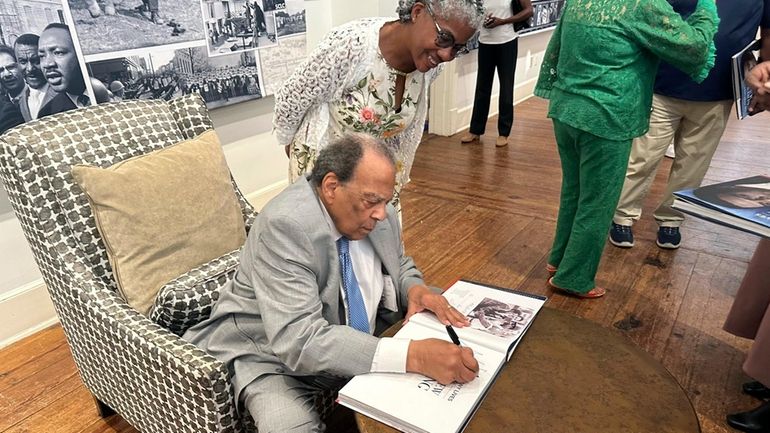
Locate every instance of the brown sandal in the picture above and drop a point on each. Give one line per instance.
(551, 269)
(596, 292)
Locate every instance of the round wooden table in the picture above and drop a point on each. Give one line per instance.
(571, 375)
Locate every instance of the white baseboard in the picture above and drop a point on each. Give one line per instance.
(24, 311)
(28, 309)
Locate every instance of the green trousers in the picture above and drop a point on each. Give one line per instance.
(593, 171)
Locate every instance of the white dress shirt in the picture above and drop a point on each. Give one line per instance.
(391, 353)
(35, 100)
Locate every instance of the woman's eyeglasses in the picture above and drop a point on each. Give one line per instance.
(445, 39)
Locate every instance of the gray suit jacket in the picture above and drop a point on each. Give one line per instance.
(283, 312)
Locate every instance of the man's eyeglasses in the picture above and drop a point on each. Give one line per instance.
(445, 39)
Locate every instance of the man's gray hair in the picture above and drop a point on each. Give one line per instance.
(342, 156)
(469, 11)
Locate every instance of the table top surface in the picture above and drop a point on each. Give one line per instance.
(572, 375)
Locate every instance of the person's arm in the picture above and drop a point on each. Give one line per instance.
(686, 44)
(317, 79)
(523, 15)
(550, 64)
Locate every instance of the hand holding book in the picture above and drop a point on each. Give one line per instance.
(758, 78)
(421, 298)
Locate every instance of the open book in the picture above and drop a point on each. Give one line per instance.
(414, 403)
(742, 62)
(743, 204)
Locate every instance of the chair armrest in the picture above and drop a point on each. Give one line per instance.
(151, 377)
(187, 299)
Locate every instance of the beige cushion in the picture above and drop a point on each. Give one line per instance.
(163, 213)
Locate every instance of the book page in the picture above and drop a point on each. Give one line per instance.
(498, 317)
(413, 402)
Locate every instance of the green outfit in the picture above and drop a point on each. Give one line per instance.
(598, 72)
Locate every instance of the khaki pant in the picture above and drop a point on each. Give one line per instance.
(695, 128)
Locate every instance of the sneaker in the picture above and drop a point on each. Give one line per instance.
(669, 238)
(621, 236)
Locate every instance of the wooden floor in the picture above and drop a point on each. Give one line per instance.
(488, 214)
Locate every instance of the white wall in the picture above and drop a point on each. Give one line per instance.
(256, 161)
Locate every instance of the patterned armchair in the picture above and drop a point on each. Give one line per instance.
(144, 371)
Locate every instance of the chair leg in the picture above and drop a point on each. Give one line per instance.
(102, 409)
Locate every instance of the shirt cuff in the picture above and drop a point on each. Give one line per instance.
(390, 356)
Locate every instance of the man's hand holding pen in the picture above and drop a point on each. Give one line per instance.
(436, 358)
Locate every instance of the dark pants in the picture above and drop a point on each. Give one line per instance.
(502, 57)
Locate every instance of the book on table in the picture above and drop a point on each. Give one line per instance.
(743, 204)
(414, 403)
(742, 62)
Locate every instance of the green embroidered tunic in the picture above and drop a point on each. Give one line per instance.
(599, 67)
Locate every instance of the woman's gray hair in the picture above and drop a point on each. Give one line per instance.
(342, 156)
(470, 11)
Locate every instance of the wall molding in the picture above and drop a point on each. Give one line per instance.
(25, 310)
(260, 197)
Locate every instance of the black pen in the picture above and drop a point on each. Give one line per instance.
(452, 335)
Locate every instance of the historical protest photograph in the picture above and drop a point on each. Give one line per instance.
(165, 74)
(40, 68)
(291, 20)
(105, 26)
(239, 25)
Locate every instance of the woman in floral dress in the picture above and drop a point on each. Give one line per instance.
(372, 76)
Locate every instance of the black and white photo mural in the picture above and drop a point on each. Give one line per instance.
(41, 70)
(238, 25)
(290, 20)
(113, 50)
(169, 73)
(116, 25)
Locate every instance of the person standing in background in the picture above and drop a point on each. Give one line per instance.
(372, 75)
(38, 92)
(498, 49)
(598, 72)
(749, 316)
(11, 75)
(693, 115)
(62, 70)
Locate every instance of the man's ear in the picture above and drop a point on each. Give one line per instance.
(329, 185)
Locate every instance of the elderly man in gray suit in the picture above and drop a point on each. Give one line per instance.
(323, 270)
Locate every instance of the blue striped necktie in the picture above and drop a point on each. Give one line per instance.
(357, 317)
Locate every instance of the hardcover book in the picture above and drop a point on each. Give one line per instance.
(414, 403)
(742, 62)
(743, 204)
